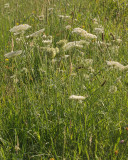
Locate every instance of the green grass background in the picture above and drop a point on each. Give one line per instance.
(36, 113)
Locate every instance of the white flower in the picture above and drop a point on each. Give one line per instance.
(95, 21)
(99, 30)
(50, 52)
(71, 45)
(113, 89)
(47, 40)
(36, 34)
(100, 43)
(64, 17)
(90, 36)
(20, 29)
(66, 56)
(75, 97)
(84, 33)
(81, 42)
(79, 31)
(117, 65)
(119, 40)
(91, 69)
(18, 40)
(13, 54)
(6, 5)
(68, 27)
(62, 42)
(74, 44)
(88, 62)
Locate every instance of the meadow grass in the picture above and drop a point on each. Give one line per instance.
(38, 120)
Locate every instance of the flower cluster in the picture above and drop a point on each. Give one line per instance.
(20, 29)
(84, 33)
(117, 65)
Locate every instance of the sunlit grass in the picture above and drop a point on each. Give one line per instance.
(59, 103)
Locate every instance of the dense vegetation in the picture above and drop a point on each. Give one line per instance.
(59, 103)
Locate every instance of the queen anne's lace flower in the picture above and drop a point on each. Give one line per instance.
(64, 17)
(84, 33)
(19, 29)
(113, 89)
(79, 31)
(62, 42)
(75, 97)
(71, 45)
(68, 27)
(6, 5)
(47, 40)
(50, 52)
(74, 44)
(99, 30)
(117, 65)
(13, 54)
(36, 34)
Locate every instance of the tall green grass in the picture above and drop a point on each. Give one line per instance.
(38, 121)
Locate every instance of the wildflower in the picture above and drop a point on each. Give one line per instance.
(75, 97)
(90, 36)
(47, 40)
(113, 89)
(68, 27)
(18, 40)
(81, 42)
(100, 43)
(117, 65)
(6, 5)
(66, 56)
(61, 43)
(6, 59)
(13, 54)
(95, 21)
(79, 31)
(116, 152)
(99, 30)
(20, 29)
(71, 45)
(51, 52)
(88, 62)
(122, 141)
(64, 17)
(36, 34)
(74, 44)
(84, 33)
(119, 40)
(91, 69)
(51, 159)
(85, 63)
